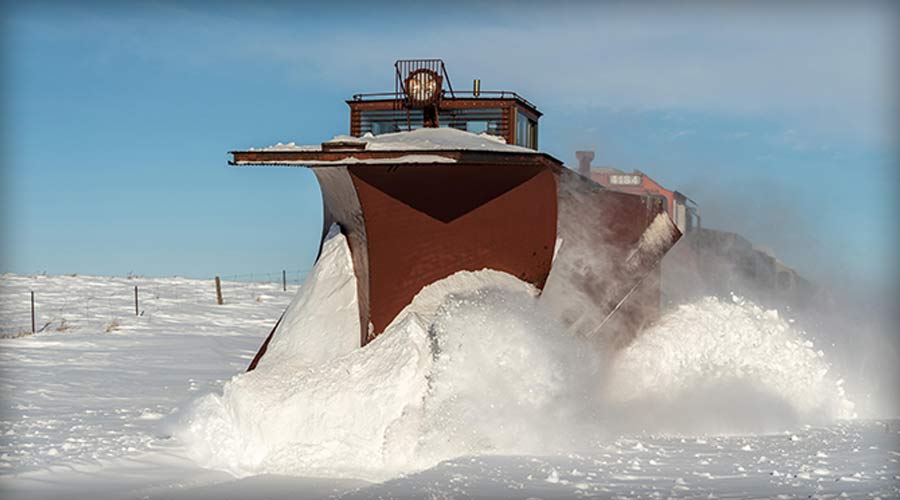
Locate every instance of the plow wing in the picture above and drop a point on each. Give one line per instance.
(606, 274)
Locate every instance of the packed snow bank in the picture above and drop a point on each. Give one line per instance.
(476, 365)
(320, 420)
(322, 321)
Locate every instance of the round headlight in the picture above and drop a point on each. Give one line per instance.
(422, 86)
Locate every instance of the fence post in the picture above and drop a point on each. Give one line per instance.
(136, 301)
(218, 291)
(32, 311)
(283, 280)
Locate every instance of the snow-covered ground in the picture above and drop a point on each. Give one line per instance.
(106, 404)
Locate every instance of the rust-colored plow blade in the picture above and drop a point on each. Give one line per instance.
(605, 277)
(409, 225)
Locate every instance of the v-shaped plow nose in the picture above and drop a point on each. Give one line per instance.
(445, 192)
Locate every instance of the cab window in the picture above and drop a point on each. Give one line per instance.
(526, 130)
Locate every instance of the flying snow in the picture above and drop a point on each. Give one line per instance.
(477, 365)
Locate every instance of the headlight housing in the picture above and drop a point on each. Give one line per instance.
(423, 87)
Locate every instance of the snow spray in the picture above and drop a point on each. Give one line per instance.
(475, 366)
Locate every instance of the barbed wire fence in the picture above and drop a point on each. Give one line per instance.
(28, 306)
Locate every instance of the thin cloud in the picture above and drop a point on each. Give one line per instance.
(826, 68)
(682, 133)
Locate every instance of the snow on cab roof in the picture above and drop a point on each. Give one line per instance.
(350, 160)
(425, 139)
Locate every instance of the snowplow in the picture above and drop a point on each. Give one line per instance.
(432, 180)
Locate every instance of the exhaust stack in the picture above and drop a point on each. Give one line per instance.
(584, 162)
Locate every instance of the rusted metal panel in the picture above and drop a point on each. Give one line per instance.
(509, 117)
(340, 205)
(460, 157)
(426, 222)
(355, 122)
(378, 105)
(599, 277)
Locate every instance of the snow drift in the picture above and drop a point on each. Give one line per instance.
(477, 364)
(321, 323)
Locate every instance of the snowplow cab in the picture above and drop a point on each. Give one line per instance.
(424, 96)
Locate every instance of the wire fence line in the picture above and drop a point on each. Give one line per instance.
(295, 277)
(29, 304)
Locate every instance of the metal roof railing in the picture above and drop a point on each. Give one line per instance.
(458, 94)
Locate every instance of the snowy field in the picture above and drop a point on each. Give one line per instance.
(106, 404)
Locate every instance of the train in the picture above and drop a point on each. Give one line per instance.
(432, 180)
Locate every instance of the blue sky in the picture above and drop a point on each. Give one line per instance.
(779, 121)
